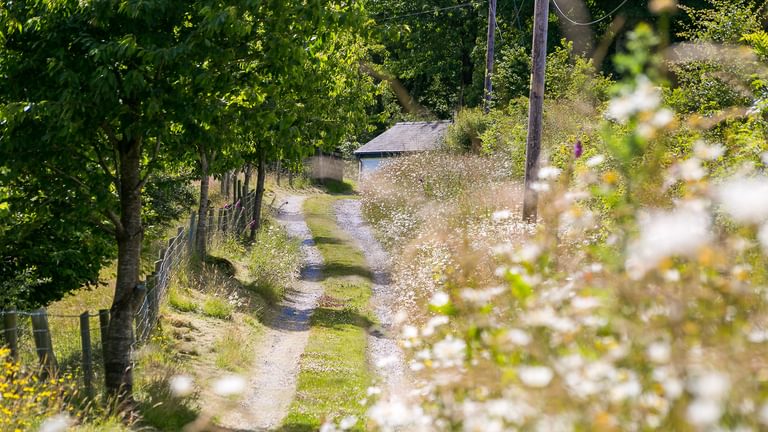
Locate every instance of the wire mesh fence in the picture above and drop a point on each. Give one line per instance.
(56, 341)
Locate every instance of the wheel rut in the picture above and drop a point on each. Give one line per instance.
(272, 385)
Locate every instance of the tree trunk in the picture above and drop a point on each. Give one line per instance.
(202, 212)
(260, 178)
(246, 179)
(120, 337)
(277, 171)
(226, 179)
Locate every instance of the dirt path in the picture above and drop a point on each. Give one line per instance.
(383, 352)
(273, 384)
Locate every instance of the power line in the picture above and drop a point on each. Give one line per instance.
(427, 12)
(591, 22)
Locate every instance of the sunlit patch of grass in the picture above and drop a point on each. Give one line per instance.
(216, 307)
(181, 302)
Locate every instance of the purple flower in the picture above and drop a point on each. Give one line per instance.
(238, 205)
(252, 223)
(578, 149)
(226, 207)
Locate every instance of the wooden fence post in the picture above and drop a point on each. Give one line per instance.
(43, 343)
(85, 339)
(10, 319)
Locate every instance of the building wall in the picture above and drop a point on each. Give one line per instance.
(326, 167)
(369, 165)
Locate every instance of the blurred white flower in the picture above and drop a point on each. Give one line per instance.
(229, 385)
(624, 390)
(501, 215)
(371, 391)
(410, 332)
(704, 151)
(449, 352)
(481, 296)
(703, 412)
(662, 118)
(663, 234)
(535, 376)
(584, 303)
(762, 415)
(672, 275)
(181, 385)
(745, 199)
(549, 173)
(762, 237)
(518, 337)
(645, 97)
(59, 423)
(659, 352)
(690, 170)
(396, 414)
(348, 422)
(440, 299)
(711, 385)
(328, 427)
(595, 161)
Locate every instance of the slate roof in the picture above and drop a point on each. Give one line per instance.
(406, 137)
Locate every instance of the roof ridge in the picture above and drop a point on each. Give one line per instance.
(424, 122)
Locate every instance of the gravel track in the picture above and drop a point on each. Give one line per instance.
(272, 386)
(383, 351)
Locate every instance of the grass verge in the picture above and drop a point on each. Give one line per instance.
(334, 375)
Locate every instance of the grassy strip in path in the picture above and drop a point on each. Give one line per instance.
(333, 375)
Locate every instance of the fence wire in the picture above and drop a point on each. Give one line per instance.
(62, 330)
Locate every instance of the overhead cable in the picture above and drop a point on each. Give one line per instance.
(428, 12)
(591, 22)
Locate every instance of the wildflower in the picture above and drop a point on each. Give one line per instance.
(745, 199)
(595, 161)
(659, 352)
(704, 151)
(181, 385)
(549, 173)
(762, 237)
(703, 412)
(501, 215)
(689, 170)
(348, 422)
(662, 118)
(440, 299)
(410, 332)
(578, 149)
(711, 385)
(229, 385)
(644, 98)
(535, 376)
(663, 234)
(518, 337)
(449, 352)
(58, 423)
(762, 415)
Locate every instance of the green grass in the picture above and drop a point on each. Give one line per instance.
(216, 307)
(181, 302)
(234, 349)
(334, 375)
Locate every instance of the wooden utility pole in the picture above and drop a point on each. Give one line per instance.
(489, 54)
(535, 109)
